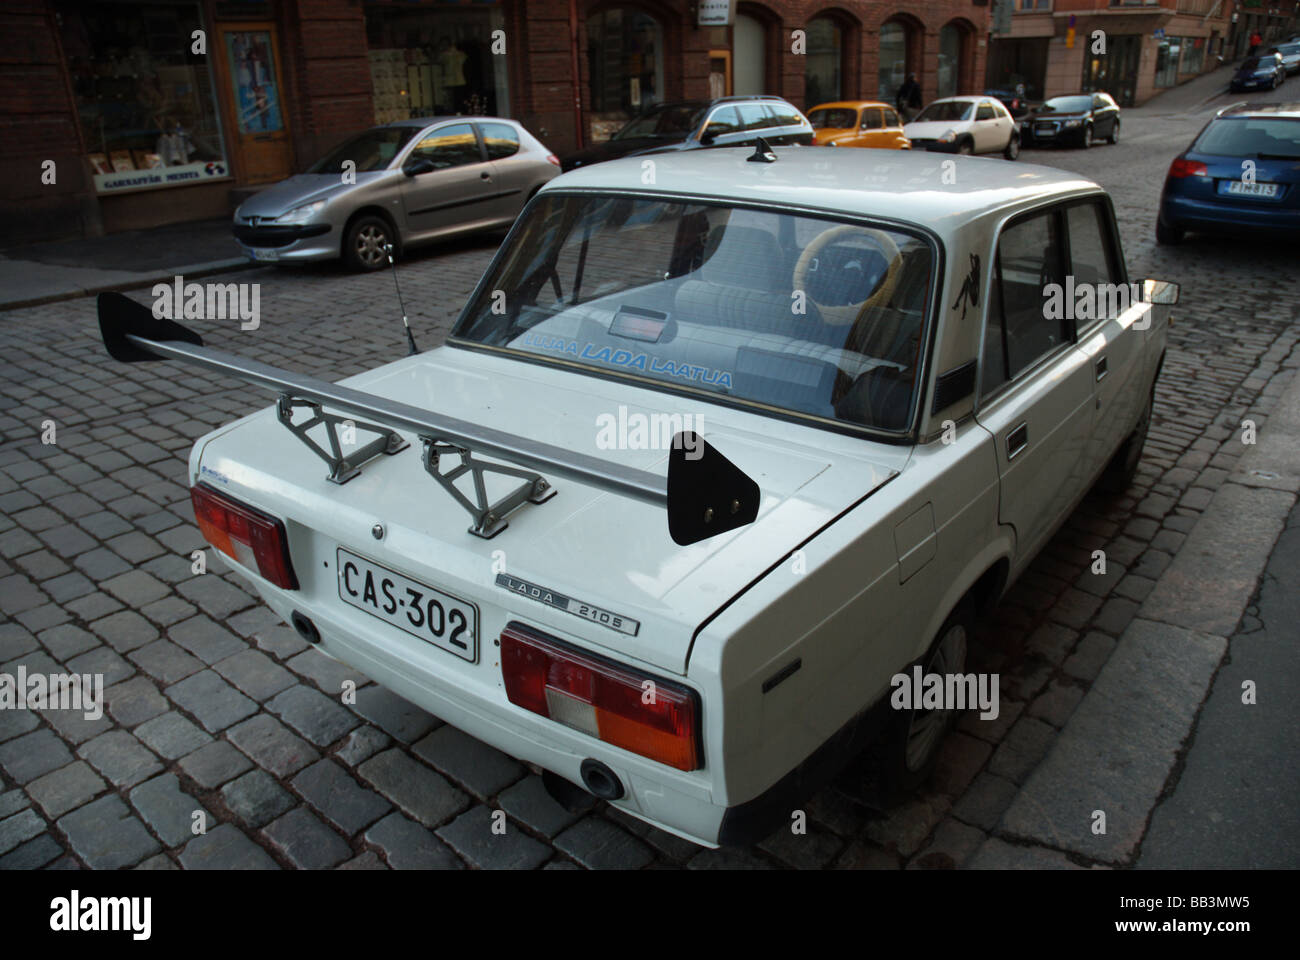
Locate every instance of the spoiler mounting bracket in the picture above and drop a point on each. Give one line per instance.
(343, 467)
(489, 518)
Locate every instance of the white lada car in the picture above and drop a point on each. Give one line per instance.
(704, 463)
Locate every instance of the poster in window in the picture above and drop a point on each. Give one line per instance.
(252, 76)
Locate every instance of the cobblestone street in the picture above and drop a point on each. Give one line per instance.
(214, 705)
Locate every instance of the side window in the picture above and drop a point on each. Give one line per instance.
(501, 140)
(753, 116)
(1020, 330)
(891, 118)
(724, 120)
(1092, 260)
(871, 119)
(786, 115)
(985, 112)
(450, 146)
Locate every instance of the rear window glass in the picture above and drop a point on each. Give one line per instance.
(813, 316)
(1251, 137)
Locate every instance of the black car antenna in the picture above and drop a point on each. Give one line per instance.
(410, 340)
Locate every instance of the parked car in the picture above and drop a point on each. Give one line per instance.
(1078, 120)
(403, 183)
(1290, 53)
(701, 632)
(858, 123)
(1257, 73)
(1017, 104)
(690, 124)
(1240, 175)
(965, 125)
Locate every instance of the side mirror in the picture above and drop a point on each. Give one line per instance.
(1159, 291)
(707, 138)
(418, 165)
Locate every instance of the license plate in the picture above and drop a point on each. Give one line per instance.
(421, 610)
(260, 253)
(1241, 188)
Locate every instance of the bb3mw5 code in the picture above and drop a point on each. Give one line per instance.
(1155, 903)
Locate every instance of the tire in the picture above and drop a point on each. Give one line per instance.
(1114, 133)
(1119, 473)
(1087, 140)
(1013, 148)
(363, 243)
(966, 148)
(905, 756)
(1168, 236)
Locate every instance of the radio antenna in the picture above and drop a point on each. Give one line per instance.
(410, 340)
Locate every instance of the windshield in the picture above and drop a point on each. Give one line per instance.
(1067, 105)
(1259, 63)
(945, 111)
(1251, 137)
(1286, 49)
(666, 121)
(839, 118)
(813, 316)
(372, 150)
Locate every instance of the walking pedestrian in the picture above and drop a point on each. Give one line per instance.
(1255, 41)
(908, 99)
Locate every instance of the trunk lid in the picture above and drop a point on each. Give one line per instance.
(593, 546)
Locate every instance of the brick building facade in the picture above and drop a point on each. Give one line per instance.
(120, 114)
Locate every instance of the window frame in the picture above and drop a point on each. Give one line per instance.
(433, 128)
(482, 139)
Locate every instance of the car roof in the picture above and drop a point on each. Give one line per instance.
(1284, 109)
(890, 184)
(429, 121)
(967, 98)
(851, 104)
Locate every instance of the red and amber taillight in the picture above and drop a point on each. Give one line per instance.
(247, 535)
(1182, 168)
(656, 718)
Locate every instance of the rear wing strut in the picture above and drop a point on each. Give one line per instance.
(705, 494)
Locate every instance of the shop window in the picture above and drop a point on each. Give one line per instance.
(950, 44)
(426, 62)
(893, 61)
(625, 49)
(1167, 54)
(825, 57)
(145, 102)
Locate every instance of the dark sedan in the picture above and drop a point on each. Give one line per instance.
(1077, 120)
(1265, 72)
(1241, 175)
(1290, 53)
(689, 124)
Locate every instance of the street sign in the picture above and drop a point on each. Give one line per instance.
(716, 13)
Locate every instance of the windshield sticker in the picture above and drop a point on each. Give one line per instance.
(629, 360)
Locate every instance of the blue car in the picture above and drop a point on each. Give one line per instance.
(1265, 71)
(1240, 175)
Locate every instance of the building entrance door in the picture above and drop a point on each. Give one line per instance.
(249, 62)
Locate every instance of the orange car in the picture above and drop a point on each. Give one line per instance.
(858, 123)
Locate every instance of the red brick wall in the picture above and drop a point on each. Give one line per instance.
(38, 123)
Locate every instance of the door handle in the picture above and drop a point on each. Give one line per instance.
(1100, 366)
(1017, 440)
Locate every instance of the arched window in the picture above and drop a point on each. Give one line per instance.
(749, 57)
(625, 49)
(950, 53)
(824, 80)
(893, 60)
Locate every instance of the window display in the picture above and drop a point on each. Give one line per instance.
(144, 100)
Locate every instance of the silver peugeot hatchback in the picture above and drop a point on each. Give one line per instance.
(404, 183)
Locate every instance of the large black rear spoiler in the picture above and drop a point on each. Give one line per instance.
(705, 493)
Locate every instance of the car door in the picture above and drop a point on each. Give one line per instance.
(893, 135)
(871, 128)
(513, 169)
(457, 192)
(986, 131)
(1101, 118)
(1035, 390)
(1109, 325)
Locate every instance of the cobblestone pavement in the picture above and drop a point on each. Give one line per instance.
(213, 705)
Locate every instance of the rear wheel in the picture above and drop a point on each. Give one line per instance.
(1167, 235)
(364, 247)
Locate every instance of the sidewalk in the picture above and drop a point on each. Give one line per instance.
(1188, 97)
(63, 269)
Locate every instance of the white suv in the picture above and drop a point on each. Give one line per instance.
(965, 125)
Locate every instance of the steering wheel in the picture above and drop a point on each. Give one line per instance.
(845, 314)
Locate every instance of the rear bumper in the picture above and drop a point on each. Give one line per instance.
(294, 243)
(1213, 216)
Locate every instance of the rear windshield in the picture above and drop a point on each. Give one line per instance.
(1277, 137)
(945, 111)
(837, 118)
(814, 316)
(372, 150)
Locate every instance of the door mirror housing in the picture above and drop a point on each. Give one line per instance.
(415, 166)
(1162, 292)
